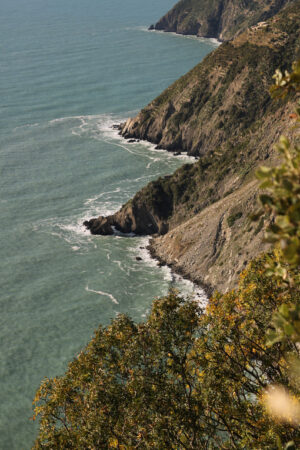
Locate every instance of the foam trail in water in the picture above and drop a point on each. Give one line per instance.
(100, 127)
(113, 299)
(213, 41)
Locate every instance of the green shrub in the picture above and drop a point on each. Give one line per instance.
(233, 217)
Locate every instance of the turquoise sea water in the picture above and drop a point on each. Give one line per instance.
(69, 70)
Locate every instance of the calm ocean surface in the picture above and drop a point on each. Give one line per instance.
(69, 70)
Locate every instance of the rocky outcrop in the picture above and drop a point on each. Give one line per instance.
(222, 112)
(215, 245)
(138, 216)
(221, 19)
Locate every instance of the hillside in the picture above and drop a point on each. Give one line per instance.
(221, 19)
(220, 111)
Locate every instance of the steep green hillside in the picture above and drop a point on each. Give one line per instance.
(222, 97)
(222, 112)
(222, 19)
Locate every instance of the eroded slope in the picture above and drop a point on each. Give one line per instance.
(222, 19)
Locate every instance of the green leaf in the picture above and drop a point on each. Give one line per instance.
(266, 199)
(264, 172)
(289, 329)
(284, 310)
(290, 446)
(283, 221)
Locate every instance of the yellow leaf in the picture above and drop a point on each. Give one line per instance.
(113, 443)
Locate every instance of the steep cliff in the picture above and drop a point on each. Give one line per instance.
(221, 111)
(222, 19)
(222, 97)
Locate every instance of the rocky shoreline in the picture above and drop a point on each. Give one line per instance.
(222, 113)
(134, 217)
(207, 288)
(223, 20)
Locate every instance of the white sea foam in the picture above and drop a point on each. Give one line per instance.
(97, 197)
(104, 204)
(100, 127)
(71, 230)
(185, 286)
(106, 294)
(214, 41)
(27, 125)
(118, 233)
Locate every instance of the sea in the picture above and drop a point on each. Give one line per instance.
(69, 70)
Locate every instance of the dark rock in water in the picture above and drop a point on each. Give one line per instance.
(143, 215)
(152, 27)
(138, 258)
(116, 126)
(120, 128)
(101, 225)
(177, 153)
(161, 263)
(142, 248)
(131, 141)
(86, 223)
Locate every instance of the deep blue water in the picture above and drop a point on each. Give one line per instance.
(69, 70)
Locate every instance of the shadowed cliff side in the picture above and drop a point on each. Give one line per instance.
(221, 111)
(221, 19)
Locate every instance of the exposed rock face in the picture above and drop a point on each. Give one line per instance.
(214, 246)
(221, 111)
(147, 213)
(222, 19)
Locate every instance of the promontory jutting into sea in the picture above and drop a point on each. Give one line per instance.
(69, 71)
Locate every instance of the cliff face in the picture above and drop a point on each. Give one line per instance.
(222, 112)
(222, 97)
(215, 245)
(222, 19)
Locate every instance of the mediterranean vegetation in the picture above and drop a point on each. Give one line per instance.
(189, 378)
(217, 18)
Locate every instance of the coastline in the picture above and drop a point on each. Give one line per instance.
(207, 288)
(175, 271)
(118, 128)
(213, 40)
